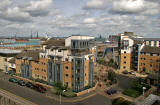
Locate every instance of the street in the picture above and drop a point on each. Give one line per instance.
(41, 99)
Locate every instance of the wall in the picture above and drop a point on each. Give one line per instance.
(67, 79)
(145, 61)
(68, 40)
(4, 62)
(87, 91)
(127, 60)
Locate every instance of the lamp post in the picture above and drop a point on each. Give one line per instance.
(144, 88)
(60, 97)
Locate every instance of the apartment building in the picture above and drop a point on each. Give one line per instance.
(137, 53)
(5, 56)
(69, 60)
(129, 50)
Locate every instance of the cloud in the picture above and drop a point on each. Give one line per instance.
(134, 7)
(15, 15)
(4, 4)
(89, 20)
(96, 4)
(39, 8)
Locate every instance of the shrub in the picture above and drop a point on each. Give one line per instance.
(87, 87)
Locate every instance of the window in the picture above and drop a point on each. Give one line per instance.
(66, 67)
(72, 76)
(125, 52)
(144, 58)
(150, 65)
(43, 77)
(124, 57)
(141, 58)
(66, 75)
(5, 59)
(43, 70)
(151, 60)
(124, 67)
(59, 50)
(124, 62)
(144, 64)
(66, 59)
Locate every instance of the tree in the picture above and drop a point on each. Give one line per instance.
(111, 62)
(144, 69)
(101, 61)
(58, 85)
(111, 75)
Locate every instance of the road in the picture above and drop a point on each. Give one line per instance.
(41, 99)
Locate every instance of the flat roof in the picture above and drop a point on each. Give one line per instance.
(9, 51)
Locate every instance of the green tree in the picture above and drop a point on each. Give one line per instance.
(144, 69)
(59, 85)
(111, 75)
(101, 61)
(111, 62)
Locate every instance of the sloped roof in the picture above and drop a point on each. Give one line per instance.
(149, 49)
(29, 54)
(49, 43)
(12, 60)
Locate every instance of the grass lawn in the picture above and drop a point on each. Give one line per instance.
(132, 93)
(121, 101)
(67, 93)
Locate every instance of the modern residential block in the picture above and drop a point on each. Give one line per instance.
(69, 60)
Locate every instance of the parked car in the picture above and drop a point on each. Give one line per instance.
(40, 88)
(125, 72)
(111, 91)
(132, 72)
(12, 80)
(10, 72)
(29, 85)
(21, 83)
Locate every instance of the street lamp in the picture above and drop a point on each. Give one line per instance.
(144, 88)
(60, 97)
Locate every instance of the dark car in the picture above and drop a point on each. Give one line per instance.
(12, 80)
(40, 88)
(29, 85)
(125, 72)
(111, 91)
(21, 83)
(11, 72)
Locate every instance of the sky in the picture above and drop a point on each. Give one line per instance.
(79, 17)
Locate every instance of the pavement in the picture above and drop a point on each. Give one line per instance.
(44, 99)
